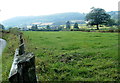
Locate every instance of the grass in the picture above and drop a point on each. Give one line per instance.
(67, 56)
(74, 56)
(8, 54)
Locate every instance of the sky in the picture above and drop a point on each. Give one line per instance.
(13, 8)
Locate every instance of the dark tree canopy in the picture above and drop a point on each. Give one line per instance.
(97, 16)
(34, 27)
(48, 27)
(76, 26)
(1, 26)
(68, 25)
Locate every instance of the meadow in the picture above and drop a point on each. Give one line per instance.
(68, 55)
(74, 56)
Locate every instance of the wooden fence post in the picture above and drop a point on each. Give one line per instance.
(23, 67)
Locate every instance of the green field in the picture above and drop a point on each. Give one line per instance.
(74, 56)
(69, 55)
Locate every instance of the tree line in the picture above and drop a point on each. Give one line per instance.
(96, 17)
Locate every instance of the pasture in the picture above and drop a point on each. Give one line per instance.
(74, 56)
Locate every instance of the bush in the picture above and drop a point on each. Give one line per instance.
(111, 30)
(117, 30)
(14, 31)
(85, 30)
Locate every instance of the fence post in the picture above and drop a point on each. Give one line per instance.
(23, 67)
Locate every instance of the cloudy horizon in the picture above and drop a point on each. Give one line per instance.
(13, 8)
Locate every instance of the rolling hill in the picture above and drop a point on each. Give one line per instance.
(56, 19)
(60, 17)
(114, 14)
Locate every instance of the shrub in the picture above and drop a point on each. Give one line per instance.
(111, 30)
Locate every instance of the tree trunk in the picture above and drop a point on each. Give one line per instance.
(97, 27)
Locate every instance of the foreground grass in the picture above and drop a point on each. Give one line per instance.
(74, 56)
(8, 54)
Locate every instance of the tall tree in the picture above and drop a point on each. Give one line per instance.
(48, 27)
(2, 27)
(76, 26)
(97, 16)
(34, 27)
(68, 25)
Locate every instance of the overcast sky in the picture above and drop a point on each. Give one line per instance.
(12, 8)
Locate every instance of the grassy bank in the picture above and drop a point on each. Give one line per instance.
(8, 54)
(74, 56)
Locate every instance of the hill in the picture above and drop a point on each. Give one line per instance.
(56, 19)
(114, 14)
(26, 20)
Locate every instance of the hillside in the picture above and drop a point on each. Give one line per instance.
(26, 20)
(56, 19)
(114, 14)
